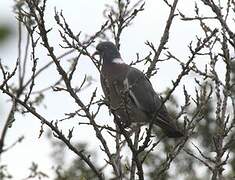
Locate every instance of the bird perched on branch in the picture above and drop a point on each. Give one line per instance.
(130, 94)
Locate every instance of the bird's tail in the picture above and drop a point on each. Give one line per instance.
(168, 127)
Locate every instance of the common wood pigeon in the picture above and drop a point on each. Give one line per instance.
(130, 94)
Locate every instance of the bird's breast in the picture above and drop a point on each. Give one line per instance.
(112, 77)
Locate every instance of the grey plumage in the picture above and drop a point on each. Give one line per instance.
(130, 93)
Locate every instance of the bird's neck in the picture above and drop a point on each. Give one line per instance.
(112, 57)
(114, 68)
(118, 61)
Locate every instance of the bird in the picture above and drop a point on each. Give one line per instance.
(130, 94)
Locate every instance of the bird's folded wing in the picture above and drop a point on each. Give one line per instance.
(141, 91)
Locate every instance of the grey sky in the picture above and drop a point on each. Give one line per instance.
(86, 16)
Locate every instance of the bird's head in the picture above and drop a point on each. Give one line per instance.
(108, 52)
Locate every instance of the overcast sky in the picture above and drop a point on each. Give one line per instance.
(86, 16)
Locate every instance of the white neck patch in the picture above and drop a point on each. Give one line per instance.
(118, 61)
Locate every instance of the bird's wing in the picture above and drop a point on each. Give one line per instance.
(146, 99)
(141, 91)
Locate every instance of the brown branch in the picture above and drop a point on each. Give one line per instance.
(58, 133)
(217, 10)
(38, 14)
(133, 164)
(164, 39)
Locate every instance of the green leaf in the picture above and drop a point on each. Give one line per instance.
(5, 32)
